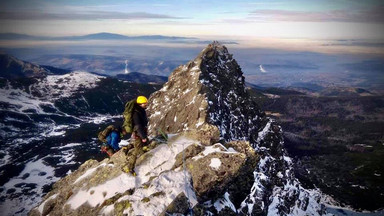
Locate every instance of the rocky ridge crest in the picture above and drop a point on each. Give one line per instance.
(208, 96)
(227, 157)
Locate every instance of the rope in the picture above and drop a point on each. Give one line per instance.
(185, 180)
(163, 134)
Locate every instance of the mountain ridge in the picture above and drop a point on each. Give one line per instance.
(142, 78)
(95, 36)
(204, 104)
(11, 67)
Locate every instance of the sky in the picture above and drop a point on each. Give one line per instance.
(312, 25)
(310, 19)
(266, 32)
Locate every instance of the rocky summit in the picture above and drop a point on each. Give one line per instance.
(223, 157)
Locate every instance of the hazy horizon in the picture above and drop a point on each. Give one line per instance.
(337, 42)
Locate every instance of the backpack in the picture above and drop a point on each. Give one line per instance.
(127, 115)
(105, 133)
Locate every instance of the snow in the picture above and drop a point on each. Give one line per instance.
(264, 132)
(172, 183)
(88, 173)
(158, 166)
(215, 163)
(280, 175)
(272, 96)
(156, 113)
(55, 131)
(164, 89)
(198, 124)
(211, 149)
(108, 210)
(98, 119)
(51, 88)
(5, 158)
(33, 178)
(69, 145)
(41, 207)
(21, 102)
(192, 101)
(223, 202)
(287, 159)
(102, 191)
(187, 91)
(59, 86)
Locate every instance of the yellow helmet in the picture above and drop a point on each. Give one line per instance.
(141, 100)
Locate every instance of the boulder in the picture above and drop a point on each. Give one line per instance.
(212, 173)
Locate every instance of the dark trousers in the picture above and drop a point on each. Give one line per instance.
(135, 153)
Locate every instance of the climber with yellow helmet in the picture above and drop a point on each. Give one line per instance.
(139, 132)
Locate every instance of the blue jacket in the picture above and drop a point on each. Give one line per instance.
(113, 140)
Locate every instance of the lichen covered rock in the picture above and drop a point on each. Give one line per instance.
(212, 172)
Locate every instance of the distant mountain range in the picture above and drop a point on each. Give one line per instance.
(109, 65)
(13, 68)
(97, 36)
(109, 36)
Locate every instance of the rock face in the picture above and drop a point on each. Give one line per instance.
(208, 96)
(226, 159)
(208, 90)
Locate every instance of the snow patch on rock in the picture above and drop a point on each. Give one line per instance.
(215, 163)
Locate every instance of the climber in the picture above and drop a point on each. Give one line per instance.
(111, 136)
(139, 134)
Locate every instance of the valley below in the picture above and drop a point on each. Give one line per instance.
(49, 127)
(336, 139)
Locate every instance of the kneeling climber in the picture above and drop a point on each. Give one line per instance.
(111, 136)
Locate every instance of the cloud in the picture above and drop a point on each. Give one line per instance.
(373, 15)
(86, 15)
(355, 43)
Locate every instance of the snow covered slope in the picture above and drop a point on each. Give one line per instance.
(48, 127)
(102, 188)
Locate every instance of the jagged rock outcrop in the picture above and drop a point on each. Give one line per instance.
(226, 159)
(210, 90)
(208, 95)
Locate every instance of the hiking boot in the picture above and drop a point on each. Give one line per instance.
(127, 148)
(107, 149)
(110, 152)
(145, 148)
(129, 171)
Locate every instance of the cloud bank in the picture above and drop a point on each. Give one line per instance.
(86, 15)
(373, 15)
